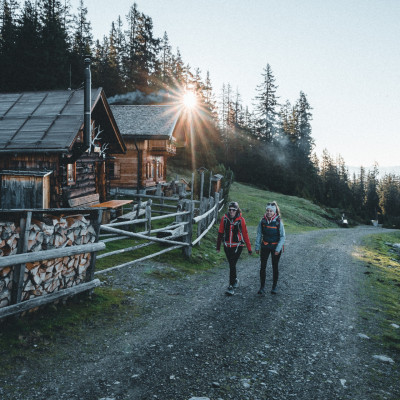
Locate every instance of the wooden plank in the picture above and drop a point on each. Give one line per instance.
(50, 254)
(19, 271)
(84, 200)
(136, 235)
(96, 222)
(129, 263)
(48, 298)
(113, 203)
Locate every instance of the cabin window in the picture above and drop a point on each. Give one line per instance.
(115, 170)
(160, 170)
(71, 173)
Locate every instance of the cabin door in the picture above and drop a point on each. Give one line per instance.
(101, 180)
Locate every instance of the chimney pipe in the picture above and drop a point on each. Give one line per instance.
(87, 126)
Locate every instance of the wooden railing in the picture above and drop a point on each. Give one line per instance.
(18, 262)
(207, 214)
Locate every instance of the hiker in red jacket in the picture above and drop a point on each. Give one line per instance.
(233, 231)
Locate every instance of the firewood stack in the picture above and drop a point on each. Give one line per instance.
(9, 237)
(47, 276)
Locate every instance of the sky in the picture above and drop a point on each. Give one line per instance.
(343, 54)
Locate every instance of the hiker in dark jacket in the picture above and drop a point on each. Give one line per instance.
(270, 239)
(233, 232)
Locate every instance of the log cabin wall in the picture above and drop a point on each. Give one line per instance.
(89, 178)
(124, 169)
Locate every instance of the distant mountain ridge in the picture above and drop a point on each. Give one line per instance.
(382, 170)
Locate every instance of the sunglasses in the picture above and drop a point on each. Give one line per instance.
(271, 204)
(232, 209)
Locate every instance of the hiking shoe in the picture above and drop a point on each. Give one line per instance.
(261, 292)
(236, 284)
(274, 290)
(230, 291)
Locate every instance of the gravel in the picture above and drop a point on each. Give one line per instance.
(191, 341)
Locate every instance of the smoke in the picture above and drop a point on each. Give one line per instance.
(138, 97)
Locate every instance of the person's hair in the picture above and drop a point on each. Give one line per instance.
(274, 203)
(235, 204)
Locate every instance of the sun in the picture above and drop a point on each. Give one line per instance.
(189, 100)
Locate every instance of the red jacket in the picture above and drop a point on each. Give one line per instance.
(233, 232)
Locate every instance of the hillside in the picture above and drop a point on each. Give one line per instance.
(298, 214)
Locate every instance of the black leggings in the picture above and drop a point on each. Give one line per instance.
(265, 252)
(232, 254)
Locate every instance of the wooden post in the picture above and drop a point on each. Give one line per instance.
(19, 270)
(189, 206)
(216, 197)
(148, 216)
(201, 185)
(158, 189)
(95, 219)
(209, 186)
(191, 192)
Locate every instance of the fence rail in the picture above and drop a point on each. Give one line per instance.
(181, 228)
(21, 297)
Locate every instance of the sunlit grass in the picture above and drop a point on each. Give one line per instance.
(383, 284)
(298, 215)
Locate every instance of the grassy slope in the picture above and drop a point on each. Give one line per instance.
(383, 285)
(299, 215)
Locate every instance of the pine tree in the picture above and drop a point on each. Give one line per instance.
(266, 108)
(81, 46)
(54, 46)
(372, 197)
(8, 34)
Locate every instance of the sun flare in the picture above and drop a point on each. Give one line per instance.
(189, 100)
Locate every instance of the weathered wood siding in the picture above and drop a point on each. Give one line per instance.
(90, 178)
(40, 162)
(125, 167)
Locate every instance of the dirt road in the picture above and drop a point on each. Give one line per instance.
(193, 341)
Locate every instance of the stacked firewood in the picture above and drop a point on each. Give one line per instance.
(9, 237)
(47, 276)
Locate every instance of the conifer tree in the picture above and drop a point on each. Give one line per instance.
(81, 46)
(54, 49)
(266, 107)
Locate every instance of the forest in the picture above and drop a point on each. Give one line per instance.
(42, 47)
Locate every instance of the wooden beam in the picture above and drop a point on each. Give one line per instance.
(50, 254)
(19, 271)
(48, 298)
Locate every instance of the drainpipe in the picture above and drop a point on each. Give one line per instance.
(87, 105)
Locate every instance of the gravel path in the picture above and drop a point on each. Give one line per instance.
(193, 341)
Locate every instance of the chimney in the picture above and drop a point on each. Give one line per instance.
(87, 125)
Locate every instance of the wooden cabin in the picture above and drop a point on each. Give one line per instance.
(152, 134)
(49, 157)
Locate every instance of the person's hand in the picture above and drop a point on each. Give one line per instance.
(218, 250)
(257, 251)
(277, 253)
(250, 252)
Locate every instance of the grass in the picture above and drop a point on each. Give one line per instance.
(40, 331)
(299, 215)
(383, 285)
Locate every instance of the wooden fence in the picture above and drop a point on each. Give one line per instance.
(179, 234)
(28, 278)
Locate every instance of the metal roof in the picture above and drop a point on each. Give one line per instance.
(41, 121)
(146, 121)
